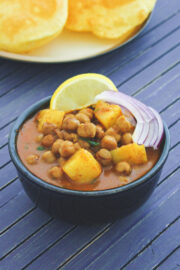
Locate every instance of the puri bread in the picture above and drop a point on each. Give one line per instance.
(28, 24)
(108, 18)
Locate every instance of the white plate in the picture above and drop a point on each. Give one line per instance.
(70, 46)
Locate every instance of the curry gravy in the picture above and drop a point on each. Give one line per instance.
(27, 145)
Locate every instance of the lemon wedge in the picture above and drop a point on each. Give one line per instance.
(79, 91)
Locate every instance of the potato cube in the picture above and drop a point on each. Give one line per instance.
(133, 153)
(107, 113)
(50, 116)
(82, 167)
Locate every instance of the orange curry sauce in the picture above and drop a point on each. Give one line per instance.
(27, 145)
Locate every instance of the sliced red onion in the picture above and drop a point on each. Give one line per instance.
(149, 128)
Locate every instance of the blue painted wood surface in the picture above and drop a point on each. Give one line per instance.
(147, 68)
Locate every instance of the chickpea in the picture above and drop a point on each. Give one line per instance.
(77, 146)
(123, 167)
(48, 140)
(84, 144)
(99, 132)
(62, 161)
(83, 118)
(60, 133)
(127, 138)
(69, 115)
(123, 125)
(48, 157)
(112, 132)
(70, 124)
(55, 172)
(89, 112)
(67, 149)
(104, 157)
(32, 159)
(39, 137)
(108, 142)
(48, 128)
(56, 145)
(70, 136)
(87, 130)
(74, 137)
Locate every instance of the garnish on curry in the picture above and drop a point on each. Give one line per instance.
(90, 149)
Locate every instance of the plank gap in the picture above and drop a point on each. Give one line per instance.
(17, 220)
(150, 64)
(141, 53)
(31, 77)
(20, 243)
(7, 124)
(84, 247)
(8, 183)
(165, 229)
(164, 179)
(174, 250)
(140, 90)
(64, 235)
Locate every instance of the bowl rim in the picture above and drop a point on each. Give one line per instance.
(30, 111)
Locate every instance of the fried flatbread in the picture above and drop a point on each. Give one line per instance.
(28, 24)
(108, 18)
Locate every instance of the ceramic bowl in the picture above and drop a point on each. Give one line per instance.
(78, 206)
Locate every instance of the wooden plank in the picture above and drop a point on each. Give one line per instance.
(137, 78)
(172, 163)
(22, 230)
(8, 173)
(160, 90)
(32, 247)
(4, 133)
(129, 235)
(174, 130)
(143, 43)
(4, 156)
(110, 237)
(80, 237)
(172, 113)
(20, 76)
(146, 59)
(11, 191)
(149, 97)
(172, 262)
(15, 209)
(159, 249)
(8, 67)
(44, 85)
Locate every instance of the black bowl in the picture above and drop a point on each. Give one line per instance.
(83, 206)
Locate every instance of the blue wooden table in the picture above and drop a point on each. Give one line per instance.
(148, 68)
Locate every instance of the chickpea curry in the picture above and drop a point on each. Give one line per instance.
(90, 149)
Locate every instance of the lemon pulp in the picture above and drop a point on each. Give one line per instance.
(79, 91)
